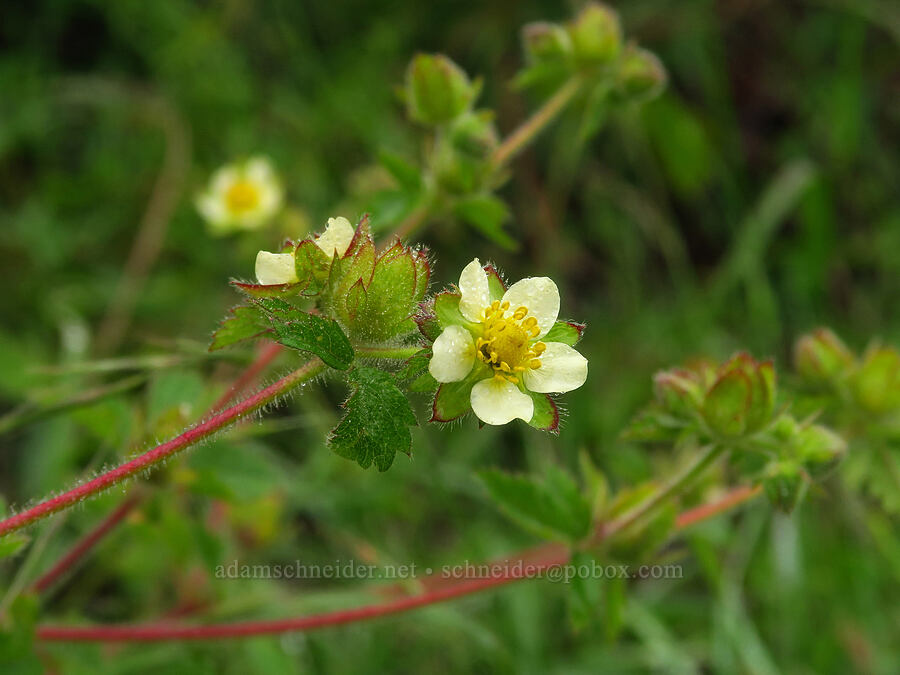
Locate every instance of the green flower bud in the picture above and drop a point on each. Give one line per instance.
(596, 34)
(374, 296)
(819, 449)
(742, 399)
(877, 382)
(679, 391)
(641, 74)
(462, 158)
(437, 90)
(821, 357)
(545, 42)
(784, 485)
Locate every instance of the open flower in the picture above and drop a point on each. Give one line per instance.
(492, 345)
(280, 268)
(241, 196)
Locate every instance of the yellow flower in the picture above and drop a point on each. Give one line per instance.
(241, 196)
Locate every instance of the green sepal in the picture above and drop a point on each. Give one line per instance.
(567, 332)
(496, 285)
(546, 414)
(726, 404)
(312, 266)
(375, 424)
(246, 322)
(453, 399)
(301, 330)
(551, 507)
(257, 291)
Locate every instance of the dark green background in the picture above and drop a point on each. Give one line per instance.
(755, 200)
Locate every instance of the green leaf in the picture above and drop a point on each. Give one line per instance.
(375, 424)
(546, 414)
(407, 174)
(11, 544)
(567, 332)
(487, 213)
(308, 332)
(585, 591)
(553, 508)
(245, 323)
(256, 291)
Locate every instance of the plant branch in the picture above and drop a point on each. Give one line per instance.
(267, 354)
(676, 485)
(527, 565)
(163, 452)
(525, 133)
(86, 543)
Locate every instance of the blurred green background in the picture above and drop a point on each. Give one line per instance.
(757, 198)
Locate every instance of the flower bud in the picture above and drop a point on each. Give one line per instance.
(822, 357)
(437, 90)
(462, 157)
(596, 34)
(641, 74)
(877, 382)
(678, 391)
(742, 399)
(784, 485)
(545, 42)
(819, 449)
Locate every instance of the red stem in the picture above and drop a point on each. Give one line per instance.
(266, 355)
(162, 452)
(529, 564)
(86, 543)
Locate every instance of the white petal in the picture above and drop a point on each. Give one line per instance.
(259, 170)
(562, 369)
(223, 179)
(275, 268)
(212, 208)
(540, 295)
(453, 355)
(499, 401)
(476, 295)
(337, 236)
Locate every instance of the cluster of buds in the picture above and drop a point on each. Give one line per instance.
(439, 94)
(372, 295)
(592, 45)
(871, 381)
(734, 405)
(733, 401)
(802, 452)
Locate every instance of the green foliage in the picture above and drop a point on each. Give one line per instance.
(308, 332)
(375, 425)
(246, 322)
(437, 90)
(552, 507)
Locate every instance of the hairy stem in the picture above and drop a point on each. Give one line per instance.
(526, 565)
(163, 452)
(86, 543)
(678, 484)
(525, 133)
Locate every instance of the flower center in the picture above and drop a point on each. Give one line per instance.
(242, 196)
(506, 341)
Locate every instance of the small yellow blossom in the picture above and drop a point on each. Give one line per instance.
(241, 196)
